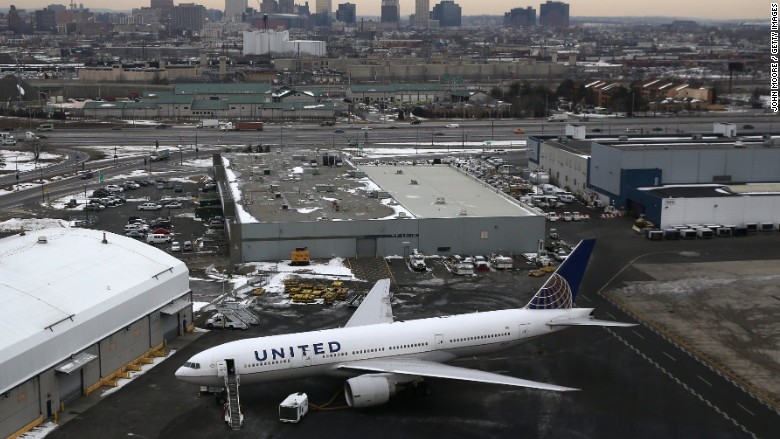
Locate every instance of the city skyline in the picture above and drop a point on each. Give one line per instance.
(721, 9)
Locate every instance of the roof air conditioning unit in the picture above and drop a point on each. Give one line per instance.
(440, 200)
(42, 240)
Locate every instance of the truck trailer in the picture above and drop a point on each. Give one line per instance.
(249, 126)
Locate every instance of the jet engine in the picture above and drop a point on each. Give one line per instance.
(369, 390)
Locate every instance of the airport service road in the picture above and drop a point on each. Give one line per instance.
(634, 383)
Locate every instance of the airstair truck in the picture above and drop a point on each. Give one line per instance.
(220, 320)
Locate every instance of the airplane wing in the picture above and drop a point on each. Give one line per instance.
(588, 322)
(422, 368)
(375, 307)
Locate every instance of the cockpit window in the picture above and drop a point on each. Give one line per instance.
(192, 365)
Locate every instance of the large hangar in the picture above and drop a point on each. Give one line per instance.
(79, 306)
(315, 199)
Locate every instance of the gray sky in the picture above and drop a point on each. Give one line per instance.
(715, 9)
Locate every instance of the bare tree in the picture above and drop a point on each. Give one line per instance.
(35, 146)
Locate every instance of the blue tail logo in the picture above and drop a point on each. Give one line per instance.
(561, 288)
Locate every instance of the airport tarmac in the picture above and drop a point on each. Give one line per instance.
(635, 382)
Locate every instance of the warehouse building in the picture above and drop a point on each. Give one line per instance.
(278, 202)
(80, 308)
(671, 180)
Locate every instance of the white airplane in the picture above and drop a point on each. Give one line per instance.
(379, 355)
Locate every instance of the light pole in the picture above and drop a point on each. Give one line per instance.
(43, 191)
(16, 160)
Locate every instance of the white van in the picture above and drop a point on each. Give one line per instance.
(566, 197)
(157, 238)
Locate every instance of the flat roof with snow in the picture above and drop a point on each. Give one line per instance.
(461, 194)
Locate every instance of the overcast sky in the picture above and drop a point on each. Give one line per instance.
(715, 9)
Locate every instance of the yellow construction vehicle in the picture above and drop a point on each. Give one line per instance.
(300, 256)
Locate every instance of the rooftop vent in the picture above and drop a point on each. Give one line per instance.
(440, 200)
(463, 212)
(42, 240)
(414, 182)
(104, 241)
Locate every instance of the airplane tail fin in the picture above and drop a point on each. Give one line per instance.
(561, 288)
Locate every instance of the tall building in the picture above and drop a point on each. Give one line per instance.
(519, 17)
(45, 21)
(286, 7)
(188, 17)
(391, 11)
(324, 6)
(448, 13)
(166, 6)
(347, 13)
(234, 9)
(422, 13)
(554, 14)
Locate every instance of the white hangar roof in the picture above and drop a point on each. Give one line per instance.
(60, 296)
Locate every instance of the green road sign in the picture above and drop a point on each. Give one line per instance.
(101, 177)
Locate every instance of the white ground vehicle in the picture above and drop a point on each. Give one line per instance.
(575, 216)
(157, 238)
(294, 407)
(149, 206)
(175, 246)
(563, 117)
(552, 217)
(567, 216)
(452, 125)
(219, 320)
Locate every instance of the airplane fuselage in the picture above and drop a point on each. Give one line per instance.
(437, 339)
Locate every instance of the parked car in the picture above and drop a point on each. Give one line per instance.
(567, 216)
(161, 231)
(99, 193)
(94, 207)
(137, 234)
(187, 246)
(175, 246)
(217, 223)
(149, 206)
(139, 227)
(114, 188)
(178, 188)
(552, 216)
(160, 186)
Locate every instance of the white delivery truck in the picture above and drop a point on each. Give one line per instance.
(294, 407)
(209, 123)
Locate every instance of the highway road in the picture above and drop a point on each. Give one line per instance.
(313, 135)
